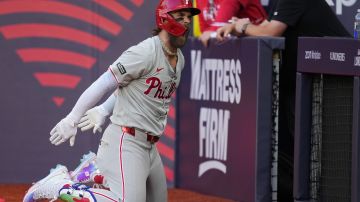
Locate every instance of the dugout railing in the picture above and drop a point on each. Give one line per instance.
(327, 124)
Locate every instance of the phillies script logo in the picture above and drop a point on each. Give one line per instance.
(60, 41)
(161, 92)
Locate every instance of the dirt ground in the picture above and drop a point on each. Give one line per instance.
(15, 193)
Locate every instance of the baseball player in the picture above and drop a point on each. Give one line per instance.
(144, 78)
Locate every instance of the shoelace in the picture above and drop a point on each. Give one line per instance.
(82, 187)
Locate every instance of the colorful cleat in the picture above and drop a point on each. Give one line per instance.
(88, 172)
(87, 168)
(48, 187)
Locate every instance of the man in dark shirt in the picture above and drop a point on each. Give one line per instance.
(290, 19)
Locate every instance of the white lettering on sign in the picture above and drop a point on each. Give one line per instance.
(339, 5)
(312, 55)
(213, 139)
(215, 79)
(337, 56)
(357, 61)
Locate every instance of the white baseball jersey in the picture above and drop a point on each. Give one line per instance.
(145, 103)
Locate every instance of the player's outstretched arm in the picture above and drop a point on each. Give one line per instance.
(95, 117)
(67, 127)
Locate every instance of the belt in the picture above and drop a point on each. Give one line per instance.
(132, 131)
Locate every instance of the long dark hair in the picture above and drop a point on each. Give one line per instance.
(156, 31)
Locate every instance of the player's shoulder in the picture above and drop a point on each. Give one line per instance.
(148, 44)
(143, 50)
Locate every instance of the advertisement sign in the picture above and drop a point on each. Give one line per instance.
(329, 55)
(218, 118)
(345, 10)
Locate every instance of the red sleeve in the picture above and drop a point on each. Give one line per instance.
(254, 11)
(251, 9)
(228, 9)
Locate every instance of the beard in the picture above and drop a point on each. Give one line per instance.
(179, 41)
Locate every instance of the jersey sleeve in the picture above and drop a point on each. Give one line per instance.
(133, 63)
(289, 11)
(227, 9)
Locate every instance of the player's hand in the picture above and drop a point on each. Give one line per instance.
(64, 130)
(94, 118)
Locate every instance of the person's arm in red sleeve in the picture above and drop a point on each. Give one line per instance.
(228, 9)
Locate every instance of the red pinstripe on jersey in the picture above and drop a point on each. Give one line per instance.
(121, 167)
(107, 197)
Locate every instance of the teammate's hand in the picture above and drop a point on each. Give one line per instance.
(205, 37)
(94, 118)
(235, 28)
(224, 32)
(64, 130)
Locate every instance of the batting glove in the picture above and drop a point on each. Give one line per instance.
(64, 130)
(94, 118)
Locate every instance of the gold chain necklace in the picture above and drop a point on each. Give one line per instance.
(166, 49)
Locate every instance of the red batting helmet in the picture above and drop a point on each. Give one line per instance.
(165, 21)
